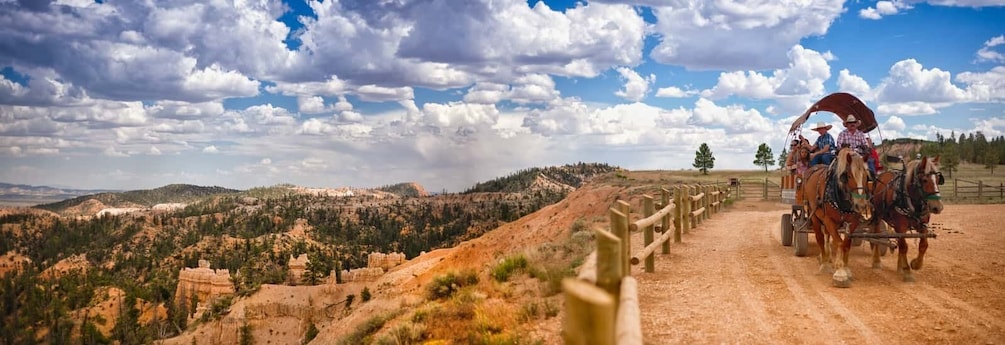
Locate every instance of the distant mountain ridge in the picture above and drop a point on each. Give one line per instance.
(172, 193)
(24, 195)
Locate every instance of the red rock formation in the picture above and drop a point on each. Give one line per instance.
(204, 282)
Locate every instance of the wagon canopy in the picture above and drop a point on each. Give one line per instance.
(841, 104)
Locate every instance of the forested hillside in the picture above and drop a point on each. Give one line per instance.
(953, 150)
(249, 233)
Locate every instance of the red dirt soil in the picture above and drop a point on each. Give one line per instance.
(732, 281)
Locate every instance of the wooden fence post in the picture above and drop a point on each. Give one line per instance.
(980, 189)
(619, 226)
(685, 217)
(666, 223)
(765, 195)
(590, 314)
(707, 200)
(647, 233)
(956, 183)
(678, 197)
(609, 267)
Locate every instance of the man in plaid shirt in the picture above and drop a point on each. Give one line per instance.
(852, 137)
(856, 140)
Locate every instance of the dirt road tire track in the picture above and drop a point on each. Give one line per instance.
(732, 281)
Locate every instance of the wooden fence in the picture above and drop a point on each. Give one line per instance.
(963, 189)
(758, 188)
(602, 304)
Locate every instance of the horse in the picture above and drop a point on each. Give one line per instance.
(836, 195)
(906, 200)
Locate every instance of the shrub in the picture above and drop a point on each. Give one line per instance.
(365, 295)
(363, 332)
(312, 332)
(446, 285)
(502, 271)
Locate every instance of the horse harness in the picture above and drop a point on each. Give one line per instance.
(904, 204)
(834, 195)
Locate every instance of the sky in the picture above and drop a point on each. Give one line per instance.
(447, 93)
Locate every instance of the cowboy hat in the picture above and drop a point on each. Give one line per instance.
(822, 125)
(851, 118)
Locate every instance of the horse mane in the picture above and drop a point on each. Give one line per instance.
(842, 159)
(912, 168)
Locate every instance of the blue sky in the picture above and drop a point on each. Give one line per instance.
(362, 93)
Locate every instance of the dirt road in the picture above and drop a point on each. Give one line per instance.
(731, 281)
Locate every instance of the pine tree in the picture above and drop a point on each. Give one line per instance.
(764, 157)
(990, 160)
(782, 157)
(950, 158)
(703, 159)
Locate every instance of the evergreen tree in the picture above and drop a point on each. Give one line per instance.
(950, 159)
(782, 158)
(703, 159)
(764, 157)
(990, 160)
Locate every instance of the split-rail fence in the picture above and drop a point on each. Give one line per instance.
(602, 304)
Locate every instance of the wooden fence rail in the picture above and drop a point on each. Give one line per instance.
(977, 189)
(601, 304)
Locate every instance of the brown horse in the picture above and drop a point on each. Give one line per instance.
(906, 200)
(837, 195)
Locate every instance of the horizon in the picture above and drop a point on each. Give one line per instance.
(130, 96)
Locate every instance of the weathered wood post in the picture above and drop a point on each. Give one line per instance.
(647, 232)
(667, 219)
(619, 225)
(765, 195)
(590, 314)
(711, 200)
(609, 267)
(707, 200)
(980, 189)
(956, 183)
(678, 199)
(685, 216)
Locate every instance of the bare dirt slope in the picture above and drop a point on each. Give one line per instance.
(732, 281)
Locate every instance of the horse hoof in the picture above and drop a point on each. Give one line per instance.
(841, 279)
(826, 269)
(915, 264)
(908, 279)
(876, 265)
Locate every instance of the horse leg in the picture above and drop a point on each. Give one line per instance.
(875, 257)
(822, 259)
(840, 277)
(902, 267)
(846, 248)
(875, 247)
(920, 260)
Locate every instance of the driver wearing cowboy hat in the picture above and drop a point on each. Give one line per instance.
(855, 139)
(824, 147)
